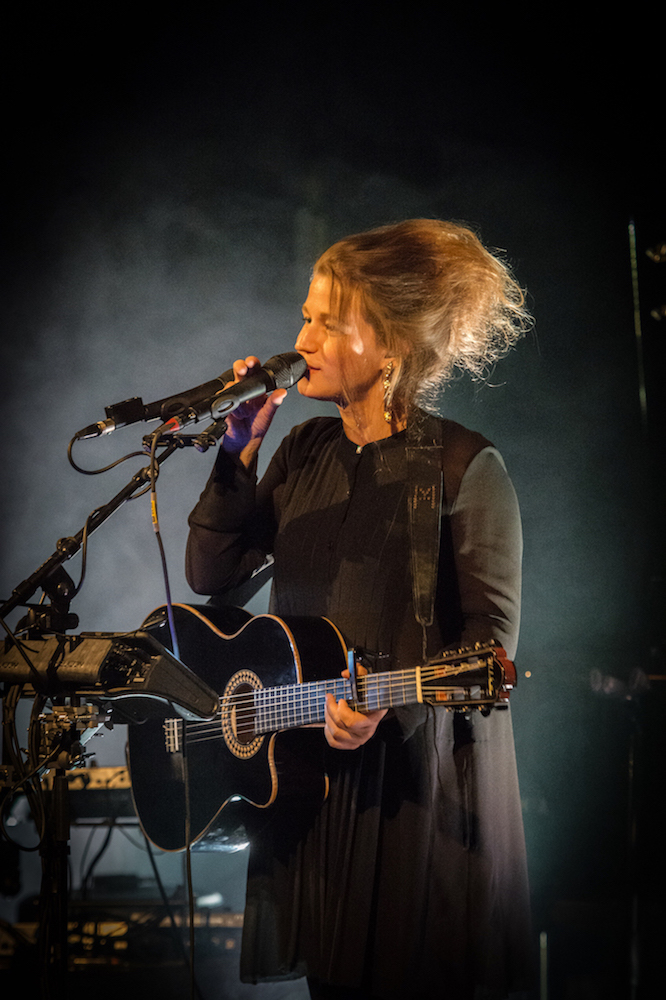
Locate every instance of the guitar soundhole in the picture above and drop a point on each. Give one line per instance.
(238, 714)
(243, 719)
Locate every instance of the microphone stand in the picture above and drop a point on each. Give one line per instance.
(47, 576)
(55, 617)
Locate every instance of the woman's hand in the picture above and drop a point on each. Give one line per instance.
(247, 425)
(346, 729)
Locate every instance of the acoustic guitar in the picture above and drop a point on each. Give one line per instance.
(198, 782)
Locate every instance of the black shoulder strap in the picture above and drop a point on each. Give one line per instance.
(438, 453)
(424, 466)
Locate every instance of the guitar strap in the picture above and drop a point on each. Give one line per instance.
(425, 497)
(438, 454)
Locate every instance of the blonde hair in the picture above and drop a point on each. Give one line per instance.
(436, 298)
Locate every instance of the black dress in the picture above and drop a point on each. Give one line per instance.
(411, 879)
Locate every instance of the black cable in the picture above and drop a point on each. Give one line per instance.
(27, 781)
(22, 647)
(154, 472)
(82, 862)
(84, 555)
(11, 746)
(97, 472)
(96, 859)
(122, 828)
(188, 861)
(188, 959)
(34, 790)
(9, 737)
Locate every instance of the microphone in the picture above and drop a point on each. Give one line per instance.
(134, 410)
(280, 372)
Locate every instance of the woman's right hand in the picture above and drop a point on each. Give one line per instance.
(247, 425)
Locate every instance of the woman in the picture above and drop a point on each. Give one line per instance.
(410, 879)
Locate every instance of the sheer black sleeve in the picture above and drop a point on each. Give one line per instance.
(232, 527)
(487, 548)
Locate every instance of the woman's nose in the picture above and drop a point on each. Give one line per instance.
(306, 341)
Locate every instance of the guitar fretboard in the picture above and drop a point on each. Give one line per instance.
(250, 712)
(304, 704)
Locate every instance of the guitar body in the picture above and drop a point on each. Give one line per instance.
(232, 771)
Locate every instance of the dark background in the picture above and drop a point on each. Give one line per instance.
(169, 181)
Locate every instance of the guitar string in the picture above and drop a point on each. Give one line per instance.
(375, 686)
(220, 733)
(275, 699)
(262, 732)
(278, 701)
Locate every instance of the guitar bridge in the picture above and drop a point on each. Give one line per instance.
(173, 735)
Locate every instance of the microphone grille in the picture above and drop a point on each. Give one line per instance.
(286, 369)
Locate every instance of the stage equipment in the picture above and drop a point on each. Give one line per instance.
(82, 683)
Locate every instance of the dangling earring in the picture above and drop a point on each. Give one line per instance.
(386, 384)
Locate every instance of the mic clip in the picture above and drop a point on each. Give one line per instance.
(206, 439)
(210, 436)
(129, 411)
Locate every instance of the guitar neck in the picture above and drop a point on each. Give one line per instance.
(305, 704)
(480, 676)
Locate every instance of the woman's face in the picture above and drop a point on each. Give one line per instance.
(345, 361)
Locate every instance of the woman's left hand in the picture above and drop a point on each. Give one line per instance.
(346, 729)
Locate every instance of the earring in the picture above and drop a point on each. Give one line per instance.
(386, 384)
